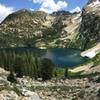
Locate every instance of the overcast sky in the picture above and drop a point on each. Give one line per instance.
(9, 6)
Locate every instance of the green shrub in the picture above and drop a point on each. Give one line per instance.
(98, 93)
(17, 90)
(66, 72)
(12, 78)
(46, 69)
(81, 94)
(18, 66)
(98, 80)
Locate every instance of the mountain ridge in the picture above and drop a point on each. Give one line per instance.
(38, 26)
(59, 29)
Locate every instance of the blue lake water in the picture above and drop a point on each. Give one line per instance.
(65, 57)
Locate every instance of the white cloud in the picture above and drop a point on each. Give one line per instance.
(62, 4)
(31, 9)
(49, 5)
(77, 9)
(38, 1)
(5, 11)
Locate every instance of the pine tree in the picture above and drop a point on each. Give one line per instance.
(66, 72)
(18, 66)
(47, 68)
(12, 78)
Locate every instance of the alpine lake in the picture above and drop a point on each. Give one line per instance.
(62, 57)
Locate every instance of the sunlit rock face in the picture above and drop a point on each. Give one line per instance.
(93, 1)
(90, 25)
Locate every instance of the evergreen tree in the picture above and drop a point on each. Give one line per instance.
(12, 78)
(18, 66)
(66, 72)
(36, 67)
(46, 69)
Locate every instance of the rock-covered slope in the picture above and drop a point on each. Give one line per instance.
(89, 33)
(27, 28)
(86, 88)
(12, 91)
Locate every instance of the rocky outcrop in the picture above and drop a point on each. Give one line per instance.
(57, 13)
(6, 95)
(11, 91)
(12, 95)
(90, 26)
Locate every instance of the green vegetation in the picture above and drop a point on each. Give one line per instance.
(96, 59)
(12, 78)
(46, 69)
(79, 76)
(18, 66)
(98, 93)
(66, 72)
(74, 74)
(98, 80)
(17, 90)
(58, 72)
(26, 64)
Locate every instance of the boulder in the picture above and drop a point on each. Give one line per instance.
(30, 95)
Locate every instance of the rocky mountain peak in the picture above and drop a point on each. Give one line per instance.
(92, 1)
(62, 12)
(24, 14)
(93, 5)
